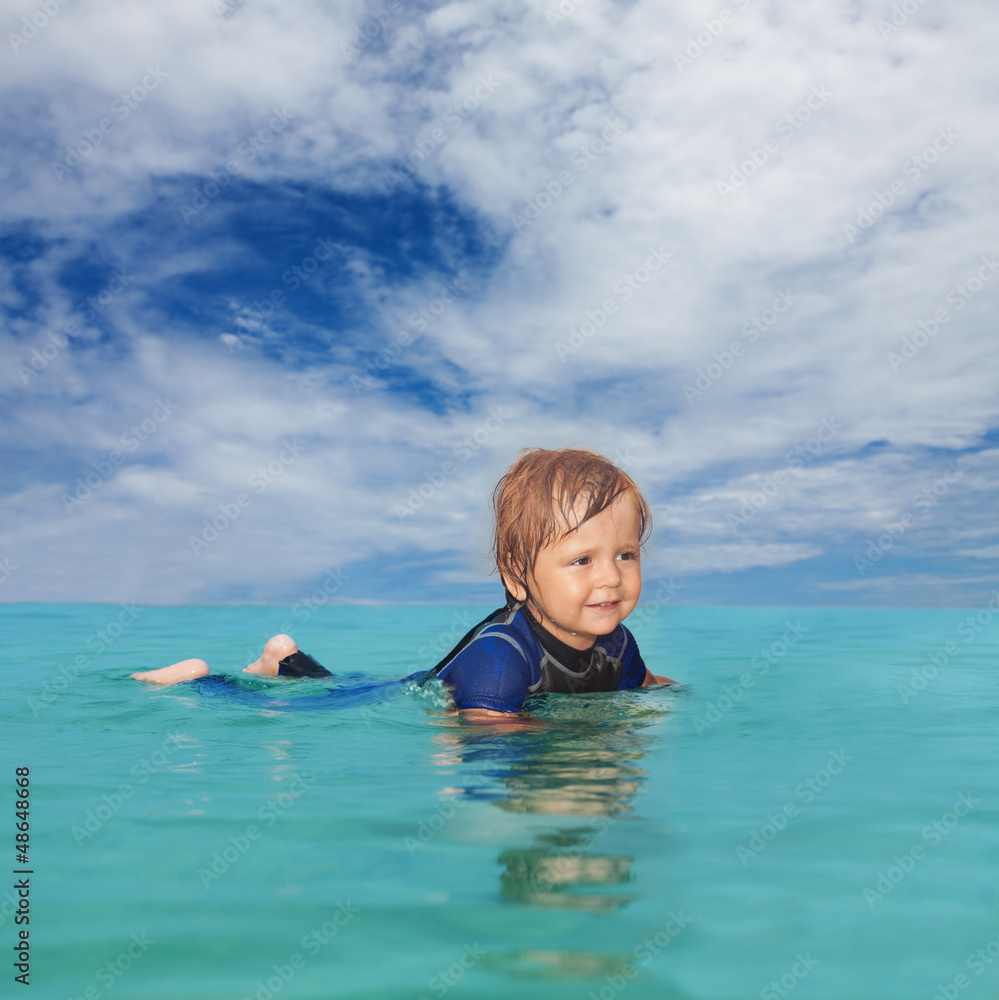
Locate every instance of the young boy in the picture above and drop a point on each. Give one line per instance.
(569, 532)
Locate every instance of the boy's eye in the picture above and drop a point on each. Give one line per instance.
(581, 561)
(629, 555)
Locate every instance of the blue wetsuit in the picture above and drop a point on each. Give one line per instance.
(498, 664)
(509, 656)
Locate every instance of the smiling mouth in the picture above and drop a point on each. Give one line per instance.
(606, 604)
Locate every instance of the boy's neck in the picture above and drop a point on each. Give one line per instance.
(568, 656)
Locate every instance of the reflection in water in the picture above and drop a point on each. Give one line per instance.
(543, 874)
(532, 963)
(583, 766)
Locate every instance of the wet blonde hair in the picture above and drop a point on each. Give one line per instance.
(535, 504)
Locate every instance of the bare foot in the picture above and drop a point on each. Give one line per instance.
(176, 673)
(277, 648)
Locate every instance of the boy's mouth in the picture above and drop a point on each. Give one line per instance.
(605, 604)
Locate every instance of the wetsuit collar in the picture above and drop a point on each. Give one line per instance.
(576, 660)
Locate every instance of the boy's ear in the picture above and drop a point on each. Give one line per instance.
(518, 592)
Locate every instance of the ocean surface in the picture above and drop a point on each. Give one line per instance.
(815, 812)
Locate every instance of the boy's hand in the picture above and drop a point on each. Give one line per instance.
(651, 678)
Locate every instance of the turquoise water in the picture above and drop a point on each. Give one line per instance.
(709, 842)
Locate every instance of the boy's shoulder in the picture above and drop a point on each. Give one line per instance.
(511, 632)
(494, 666)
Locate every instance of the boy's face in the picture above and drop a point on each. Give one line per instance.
(588, 582)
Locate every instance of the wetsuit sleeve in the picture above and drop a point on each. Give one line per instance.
(490, 672)
(632, 664)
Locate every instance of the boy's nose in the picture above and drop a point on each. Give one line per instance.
(609, 575)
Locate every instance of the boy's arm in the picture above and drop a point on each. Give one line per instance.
(634, 666)
(489, 679)
(651, 678)
(481, 714)
(487, 717)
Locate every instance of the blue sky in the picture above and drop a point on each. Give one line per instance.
(290, 285)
